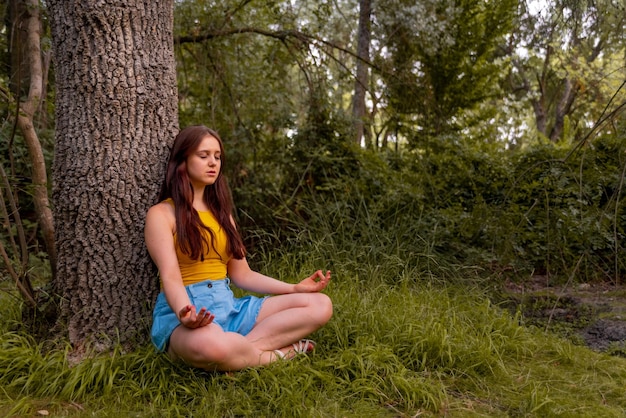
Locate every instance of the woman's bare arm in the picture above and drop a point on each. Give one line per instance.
(159, 236)
(244, 277)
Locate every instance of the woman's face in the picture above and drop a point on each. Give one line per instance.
(204, 164)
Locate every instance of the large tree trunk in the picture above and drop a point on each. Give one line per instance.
(116, 113)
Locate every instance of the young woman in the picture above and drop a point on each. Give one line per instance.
(193, 240)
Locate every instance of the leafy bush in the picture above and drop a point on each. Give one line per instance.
(572, 218)
(541, 210)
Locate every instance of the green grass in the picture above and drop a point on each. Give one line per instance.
(412, 335)
(406, 347)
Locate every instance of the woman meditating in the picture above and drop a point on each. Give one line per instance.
(192, 237)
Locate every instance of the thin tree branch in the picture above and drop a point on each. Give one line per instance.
(25, 121)
(282, 35)
(601, 120)
(26, 294)
(25, 289)
(19, 226)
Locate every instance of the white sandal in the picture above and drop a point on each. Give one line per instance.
(301, 347)
(280, 354)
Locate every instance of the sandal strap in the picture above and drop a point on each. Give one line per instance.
(303, 346)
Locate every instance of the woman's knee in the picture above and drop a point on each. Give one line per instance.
(201, 351)
(216, 352)
(322, 307)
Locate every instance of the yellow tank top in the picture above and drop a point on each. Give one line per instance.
(214, 266)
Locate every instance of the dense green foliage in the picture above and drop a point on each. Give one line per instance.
(460, 177)
(546, 210)
(444, 58)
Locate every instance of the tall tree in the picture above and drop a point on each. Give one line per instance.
(362, 69)
(441, 58)
(568, 61)
(116, 112)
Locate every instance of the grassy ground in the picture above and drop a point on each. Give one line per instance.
(403, 347)
(410, 336)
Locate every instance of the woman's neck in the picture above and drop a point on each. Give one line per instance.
(198, 200)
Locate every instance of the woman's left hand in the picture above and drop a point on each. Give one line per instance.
(314, 283)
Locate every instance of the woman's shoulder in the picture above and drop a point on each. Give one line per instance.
(160, 225)
(163, 209)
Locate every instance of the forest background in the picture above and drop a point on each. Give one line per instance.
(455, 144)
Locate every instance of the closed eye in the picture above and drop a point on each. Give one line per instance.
(206, 154)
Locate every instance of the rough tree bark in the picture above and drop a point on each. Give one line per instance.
(116, 113)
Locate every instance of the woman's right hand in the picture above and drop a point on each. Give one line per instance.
(190, 319)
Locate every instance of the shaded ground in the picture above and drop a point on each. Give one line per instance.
(589, 314)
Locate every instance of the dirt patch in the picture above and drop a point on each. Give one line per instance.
(589, 314)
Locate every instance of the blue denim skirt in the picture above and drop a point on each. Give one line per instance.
(231, 313)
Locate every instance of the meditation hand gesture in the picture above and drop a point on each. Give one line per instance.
(190, 319)
(315, 283)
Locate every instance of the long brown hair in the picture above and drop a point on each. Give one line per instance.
(217, 197)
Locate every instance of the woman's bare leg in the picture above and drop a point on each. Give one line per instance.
(211, 348)
(282, 321)
(285, 319)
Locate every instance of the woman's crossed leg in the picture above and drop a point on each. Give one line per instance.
(282, 321)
